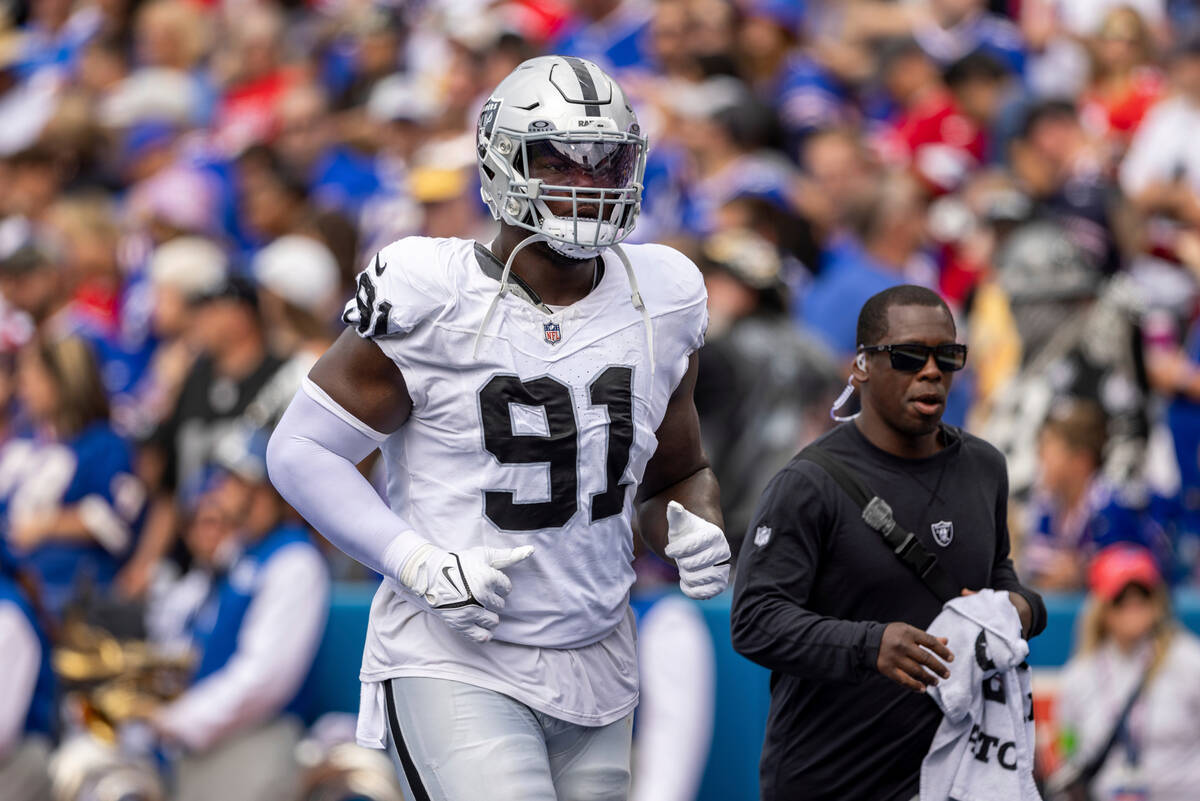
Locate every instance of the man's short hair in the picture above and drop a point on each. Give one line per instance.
(1052, 110)
(976, 66)
(873, 319)
(1081, 424)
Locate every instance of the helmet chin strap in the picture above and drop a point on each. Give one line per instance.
(635, 298)
(487, 317)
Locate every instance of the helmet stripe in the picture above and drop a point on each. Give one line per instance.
(586, 85)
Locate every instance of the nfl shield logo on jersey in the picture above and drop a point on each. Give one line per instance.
(943, 532)
(553, 332)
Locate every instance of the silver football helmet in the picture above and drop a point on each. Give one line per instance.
(561, 154)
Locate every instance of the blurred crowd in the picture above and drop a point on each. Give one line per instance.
(188, 188)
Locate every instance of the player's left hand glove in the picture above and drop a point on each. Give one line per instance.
(700, 551)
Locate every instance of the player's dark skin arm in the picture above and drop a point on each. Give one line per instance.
(364, 381)
(679, 470)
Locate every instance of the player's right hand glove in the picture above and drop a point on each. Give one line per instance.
(700, 551)
(465, 589)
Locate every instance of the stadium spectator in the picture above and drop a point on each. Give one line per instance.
(1066, 176)
(1129, 642)
(297, 281)
(764, 388)
(254, 631)
(234, 369)
(1076, 511)
(182, 271)
(725, 133)
(610, 32)
(1125, 81)
(789, 79)
(675, 716)
(70, 506)
(1161, 171)
(885, 249)
(27, 712)
(837, 172)
(945, 134)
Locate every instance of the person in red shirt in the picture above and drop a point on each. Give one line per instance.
(944, 133)
(1125, 81)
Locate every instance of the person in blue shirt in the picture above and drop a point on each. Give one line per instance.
(613, 33)
(961, 27)
(881, 250)
(1075, 511)
(70, 507)
(253, 611)
(27, 703)
(807, 96)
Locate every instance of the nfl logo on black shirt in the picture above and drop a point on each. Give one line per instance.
(943, 532)
(553, 332)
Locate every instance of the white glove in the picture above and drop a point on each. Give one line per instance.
(465, 589)
(700, 552)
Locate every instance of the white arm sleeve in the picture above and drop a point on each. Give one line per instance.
(311, 460)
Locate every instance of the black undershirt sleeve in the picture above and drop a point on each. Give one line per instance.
(770, 622)
(1004, 575)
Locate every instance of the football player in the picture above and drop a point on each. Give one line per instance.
(528, 398)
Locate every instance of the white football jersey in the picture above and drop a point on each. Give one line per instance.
(540, 438)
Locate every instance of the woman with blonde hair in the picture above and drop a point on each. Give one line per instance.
(69, 504)
(1130, 642)
(1125, 81)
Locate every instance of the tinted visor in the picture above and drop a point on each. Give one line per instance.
(582, 164)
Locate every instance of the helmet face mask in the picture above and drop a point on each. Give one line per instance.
(562, 158)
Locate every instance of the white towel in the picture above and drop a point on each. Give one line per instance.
(983, 750)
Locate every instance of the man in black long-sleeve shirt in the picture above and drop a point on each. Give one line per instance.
(822, 601)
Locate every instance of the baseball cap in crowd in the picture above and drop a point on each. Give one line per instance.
(145, 138)
(151, 93)
(1118, 566)
(400, 97)
(20, 250)
(242, 451)
(787, 14)
(298, 269)
(233, 288)
(429, 184)
(192, 264)
(746, 256)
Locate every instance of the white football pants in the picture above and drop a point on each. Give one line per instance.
(455, 742)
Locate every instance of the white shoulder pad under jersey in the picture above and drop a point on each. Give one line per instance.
(536, 431)
(405, 284)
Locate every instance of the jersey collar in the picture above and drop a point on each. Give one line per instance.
(493, 269)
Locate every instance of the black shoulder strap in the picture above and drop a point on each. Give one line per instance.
(878, 515)
(1096, 763)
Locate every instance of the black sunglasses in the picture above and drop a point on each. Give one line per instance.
(910, 357)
